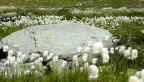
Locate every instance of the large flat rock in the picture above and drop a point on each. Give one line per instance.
(62, 38)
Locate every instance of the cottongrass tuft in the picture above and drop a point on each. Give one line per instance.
(93, 72)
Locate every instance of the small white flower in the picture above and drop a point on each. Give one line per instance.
(134, 79)
(93, 72)
(75, 58)
(142, 74)
(111, 50)
(9, 57)
(32, 67)
(94, 60)
(84, 58)
(79, 49)
(86, 65)
(40, 59)
(116, 48)
(134, 54)
(55, 58)
(127, 53)
(81, 69)
(45, 53)
(87, 49)
(5, 48)
(19, 60)
(105, 58)
(51, 55)
(37, 55)
(19, 54)
(33, 57)
(105, 51)
(122, 49)
(90, 43)
(97, 47)
(15, 64)
(64, 63)
(44, 67)
(24, 57)
(76, 64)
(12, 60)
(48, 58)
(27, 72)
(138, 74)
(10, 53)
(85, 54)
(129, 48)
(7, 62)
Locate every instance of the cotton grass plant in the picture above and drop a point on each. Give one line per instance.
(95, 63)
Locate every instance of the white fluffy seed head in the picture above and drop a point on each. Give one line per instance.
(105, 51)
(122, 49)
(84, 58)
(94, 60)
(105, 58)
(27, 72)
(9, 57)
(10, 53)
(76, 64)
(55, 58)
(45, 53)
(138, 74)
(19, 54)
(133, 79)
(90, 43)
(127, 53)
(86, 65)
(18, 60)
(142, 74)
(32, 67)
(7, 62)
(40, 59)
(87, 49)
(129, 48)
(79, 49)
(93, 72)
(111, 50)
(37, 62)
(37, 55)
(116, 48)
(64, 63)
(33, 57)
(24, 57)
(134, 54)
(5, 48)
(12, 60)
(85, 54)
(97, 47)
(51, 55)
(75, 58)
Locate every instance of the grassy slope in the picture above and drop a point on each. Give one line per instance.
(72, 3)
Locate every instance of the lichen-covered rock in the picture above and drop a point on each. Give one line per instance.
(62, 38)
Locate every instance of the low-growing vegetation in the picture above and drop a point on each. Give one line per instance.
(124, 19)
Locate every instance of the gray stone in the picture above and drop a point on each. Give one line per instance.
(1, 45)
(62, 38)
